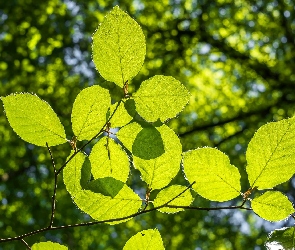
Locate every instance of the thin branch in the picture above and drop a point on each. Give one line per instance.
(25, 243)
(209, 208)
(88, 142)
(55, 188)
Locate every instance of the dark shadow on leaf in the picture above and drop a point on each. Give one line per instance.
(130, 107)
(107, 186)
(148, 144)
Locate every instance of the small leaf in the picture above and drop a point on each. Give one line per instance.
(147, 239)
(33, 119)
(160, 97)
(284, 238)
(97, 205)
(118, 47)
(48, 245)
(271, 154)
(168, 194)
(107, 186)
(272, 206)
(89, 112)
(216, 179)
(157, 172)
(108, 159)
(121, 116)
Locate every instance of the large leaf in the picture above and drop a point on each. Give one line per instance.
(97, 205)
(108, 159)
(118, 47)
(89, 112)
(48, 245)
(272, 206)
(33, 119)
(169, 193)
(160, 97)
(156, 172)
(283, 238)
(271, 154)
(216, 179)
(147, 239)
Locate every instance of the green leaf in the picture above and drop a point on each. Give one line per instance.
(271, 154)
(216, 179)
(272, 206)
(98, 206)
(121, 116)
(48, 245)
(118, 47)
(107, 186)
(168, 194)
(147, 239)
(160, 97)
(157, 172)
(108, 159)
(89, 112)
(33, 119)
(284, 238)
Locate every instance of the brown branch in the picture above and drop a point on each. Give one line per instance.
(25, 243)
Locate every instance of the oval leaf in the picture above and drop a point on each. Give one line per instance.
(33, 119)
(157, 172)
(48, 245)
(118, 47)
(99, 206)
(147, 239)
(216, 179)
(271, 154)
(283, 238)
(108, 159)
(272, 206)
(167, 194)
(89, 112)
(160, 97)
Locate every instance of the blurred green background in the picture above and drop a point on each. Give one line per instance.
(237, 58)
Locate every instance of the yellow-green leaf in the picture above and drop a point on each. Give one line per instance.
(118, 47)
(48, 245)
(108, 159)
(272, 206)
(89, 112)
(216, 179)
(121, 116)
(160, 97)
(159, 171)
(33, 119)
(97, 205)
(271, 154)
(167, 194)
(147, 239)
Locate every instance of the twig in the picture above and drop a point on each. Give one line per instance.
(55, 188)
(25, 243)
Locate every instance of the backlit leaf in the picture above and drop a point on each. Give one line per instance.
(160, 97)
(147, 239)
(33, 119)
(283, 238)
(216, 179)
(108, 159)
(97, 205)
(272, 206)
(89, 112)
(167, 194)
(121, 116)
(271, 154)
(157, 172)
(118, 47)
(48, 245)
